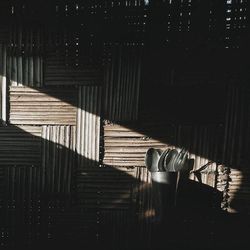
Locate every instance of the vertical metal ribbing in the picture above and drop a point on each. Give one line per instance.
(46, 153)
(122, 85)
(137, 87)
(19, 56)
(52, 166)
(70, 149)
(14, 62)
(88, 125)
(25, 57)
(85, 110)
(227, 125)
(37, 81)
(3, 83)
(107, 80)
(97, 114)
(43, 161)
(93, 125)
(78, 126)
(131, 83)
(26, 60)
(242, 119)
(1, 78)
(57, 162)
(118, 114)
(110, 88)
(126, 85)
(31, 62)
(71, 172)
(12, 66)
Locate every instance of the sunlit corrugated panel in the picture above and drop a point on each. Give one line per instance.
(88, 126)
(238, 191)
(58, 154)
(55, 106)
(20, 145)
(127, 146)
(3, 83)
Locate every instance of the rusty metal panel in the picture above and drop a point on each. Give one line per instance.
(88, 125)
(43, 106)
(20, 145)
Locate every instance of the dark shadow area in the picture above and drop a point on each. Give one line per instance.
(49, 201)
(57, 204)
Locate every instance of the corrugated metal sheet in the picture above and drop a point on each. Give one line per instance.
(204, 148)
(58, 155)
(125, 146)
(105, 188)
(88, 126)
(58, 71)
(4, 30)
(3, 83)
(21, 210)
(235, 155)
(25, 57)
(121, 232)
(144, 207)
(34, 196)
(20, 145)
(238, 190)
(52, 106)
(122, 84)
(236, 123)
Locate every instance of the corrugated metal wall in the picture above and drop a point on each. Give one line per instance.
(30, 106)
(75, 123)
